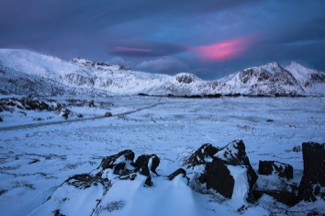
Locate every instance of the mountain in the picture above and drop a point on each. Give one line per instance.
(26, 72)
(269, 79)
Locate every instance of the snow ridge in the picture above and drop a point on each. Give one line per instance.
(48, 75)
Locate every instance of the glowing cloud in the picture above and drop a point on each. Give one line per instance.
(222, 50)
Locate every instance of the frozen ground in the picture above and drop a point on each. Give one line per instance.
(35, 161)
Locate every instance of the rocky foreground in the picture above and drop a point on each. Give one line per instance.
(224, 172)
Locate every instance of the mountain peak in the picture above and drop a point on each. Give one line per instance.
(272, 64)
(295, 64)
(270, 67)
(186, 78)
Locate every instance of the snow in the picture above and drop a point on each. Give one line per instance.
(35, 161)
(44, 150)
(25, 70)
(241, 184)
(299, 72)
(34, 63)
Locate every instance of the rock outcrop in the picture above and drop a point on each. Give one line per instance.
(274, 180)
(313, 181)
(217, 164)
(225, 171)
(283, 170)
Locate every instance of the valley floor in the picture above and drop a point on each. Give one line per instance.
(35, 161)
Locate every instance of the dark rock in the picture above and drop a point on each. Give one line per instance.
(219, 178)
(179, 171)
(108, 114)
(36, 104)
(119, 168)
(274, 180)
(202, 178)
(286, 197)
(314, 171)
(1, 120)
(283, 170)
(2, 191)
(83, 181)
(235, 154)
(147, 163)
(269, 120)
(185, 78)
(65, 113)
(242, 209)
(216, 174)
(80, 115)
(148, 182)
(57, 213)
(110, 161)
(91, 103)
(296, 149)
(200, 156)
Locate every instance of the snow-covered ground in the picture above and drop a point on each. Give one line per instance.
(35, 161)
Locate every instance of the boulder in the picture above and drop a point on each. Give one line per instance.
(146, 164)
(219, 178)
(285, 196)
(313, 178)
(215, 168)
(235, 154)
(296, 148)
(65, 113)
(1, 120)
(179, 171)
(283, 170)
(274, 180)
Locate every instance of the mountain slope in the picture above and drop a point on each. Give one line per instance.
(312, 81)
(26, 72)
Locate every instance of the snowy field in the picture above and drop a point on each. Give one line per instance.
(35, 161)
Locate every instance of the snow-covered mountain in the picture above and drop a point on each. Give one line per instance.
(26, 72)
(269, 79)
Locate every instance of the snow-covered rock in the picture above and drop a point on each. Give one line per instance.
(275, 180)
(222, 168)
(283, 170)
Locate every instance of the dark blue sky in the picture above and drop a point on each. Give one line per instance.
(210, 38)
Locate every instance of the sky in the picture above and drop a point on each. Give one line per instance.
(210, 38)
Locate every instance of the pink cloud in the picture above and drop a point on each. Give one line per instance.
(222, 50)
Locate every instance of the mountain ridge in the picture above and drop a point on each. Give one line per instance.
(50, 75)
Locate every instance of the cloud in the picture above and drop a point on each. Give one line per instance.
(164, 64)
(310, 31)
(119, 61)
(144, 48)
(224, 50)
